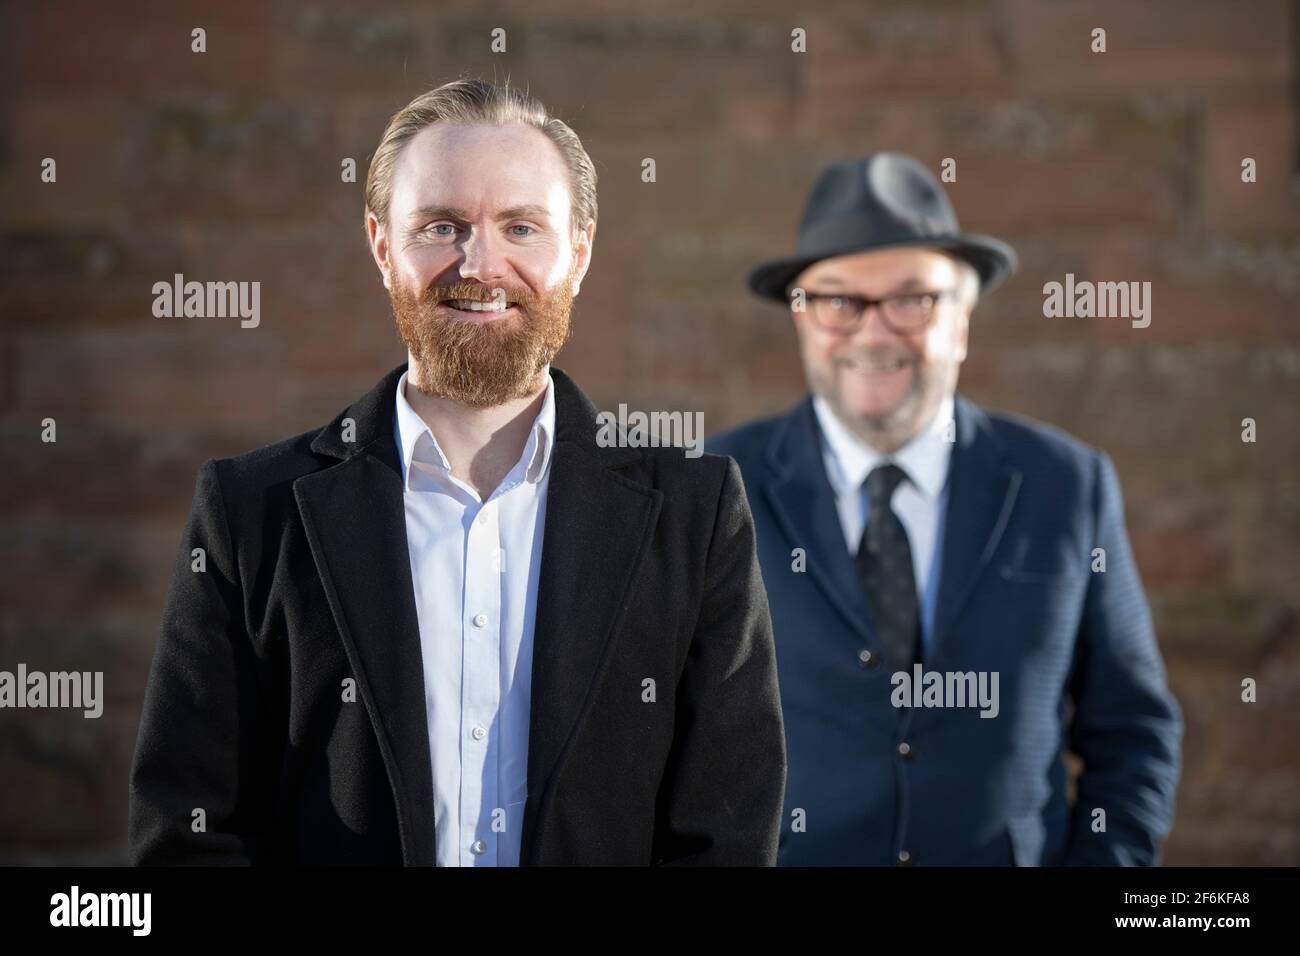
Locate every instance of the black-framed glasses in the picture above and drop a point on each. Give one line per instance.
(904, 313)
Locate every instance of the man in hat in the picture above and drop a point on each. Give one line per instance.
(954, 597)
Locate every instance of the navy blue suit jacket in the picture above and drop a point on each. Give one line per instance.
(1074, 648)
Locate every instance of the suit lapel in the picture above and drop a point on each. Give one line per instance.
(982, 491)
(355, 521)
(599, 525)
(804, 505)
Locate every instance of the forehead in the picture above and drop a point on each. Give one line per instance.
(481, 168)
(883, 269)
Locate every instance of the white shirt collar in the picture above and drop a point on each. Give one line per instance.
(925, 458)
(412, 444)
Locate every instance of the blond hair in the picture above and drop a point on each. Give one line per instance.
(478, 101)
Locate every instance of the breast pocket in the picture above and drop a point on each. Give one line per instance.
(1042, 561)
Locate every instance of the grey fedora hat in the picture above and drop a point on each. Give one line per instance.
(883, 201)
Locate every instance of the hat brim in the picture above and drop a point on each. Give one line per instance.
(993, 260)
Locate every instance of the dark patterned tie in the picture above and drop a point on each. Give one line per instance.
(884, 561)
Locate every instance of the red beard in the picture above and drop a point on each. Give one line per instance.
(480, 363)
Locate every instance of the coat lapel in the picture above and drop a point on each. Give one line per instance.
(804, 504)
(356, 525)
(982, 491)
(599, 525)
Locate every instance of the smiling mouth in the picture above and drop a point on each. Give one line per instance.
(478, 310)
(875, 366)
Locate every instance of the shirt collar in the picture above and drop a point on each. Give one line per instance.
(849, 459)
(415, 440)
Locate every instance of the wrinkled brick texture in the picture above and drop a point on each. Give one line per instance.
(225, 165)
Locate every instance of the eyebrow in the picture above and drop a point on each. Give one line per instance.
(526, 211)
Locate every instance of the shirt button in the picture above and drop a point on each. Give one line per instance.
(480, 620)
(866, 658)
(478, 847)
(904, 858)
(479, 733)
(905, 749)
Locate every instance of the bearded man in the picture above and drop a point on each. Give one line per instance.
(450, 627)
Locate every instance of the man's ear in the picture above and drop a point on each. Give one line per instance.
(962, 334)
(378, 237)
(582, 256)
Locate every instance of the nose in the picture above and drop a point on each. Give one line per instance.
(873, 330)
(484, 257)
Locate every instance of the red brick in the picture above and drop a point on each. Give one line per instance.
(1202, 290)
(103, 566)
(1265, 132)
(1174, 557)
(153, 468)
(70, 280)
(859, 54)
(80, 44)
(1200, 46)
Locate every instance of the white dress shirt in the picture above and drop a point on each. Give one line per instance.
(474, 568)
(918, 502)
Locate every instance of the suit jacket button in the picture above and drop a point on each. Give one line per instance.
(905, 749)
(868, 659)
(904, 858)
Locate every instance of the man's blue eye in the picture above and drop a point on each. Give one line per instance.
(444, 225)
(527, 228)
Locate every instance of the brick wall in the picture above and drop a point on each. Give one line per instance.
(226, 165)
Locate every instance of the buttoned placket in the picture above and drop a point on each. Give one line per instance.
(481, 669)
(483, 644)
(480, 682)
